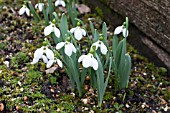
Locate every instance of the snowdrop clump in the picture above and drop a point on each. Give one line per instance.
(94, 62)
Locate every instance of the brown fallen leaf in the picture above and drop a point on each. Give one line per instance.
(50, 70)
(1, 107)
(83, 9)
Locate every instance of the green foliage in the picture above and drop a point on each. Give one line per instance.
(33, 75)
(121, 62)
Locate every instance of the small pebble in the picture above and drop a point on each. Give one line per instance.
(1, 107)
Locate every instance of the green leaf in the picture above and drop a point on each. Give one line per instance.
(83, 75)
(104, 30)
(92, 28)
(96, 36)
(50, 9)
(126, 72)
(35, 15)
(64, 27)
(75, 73)
(45, 16)
(114, 45)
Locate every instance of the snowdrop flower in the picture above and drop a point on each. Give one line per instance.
(89, 60)
(39, 6)
(121, 29)
(69, 47)
(23, 10)
(52, 28)
(48, 58)
(60, 2)
(78, 32)
(100, 44)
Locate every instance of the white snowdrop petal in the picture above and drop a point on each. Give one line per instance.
(78, 34)
(83, 32)
(48, 30)
(125, 34)
(22, 10)
(35, 60)
(96, 44)
(59, 63)
(36, 6)
(68, 50)
(45, 60)
(49, 63)
(87, 61)
(62, 3)
(57, 32)
(72, 47)
(94, 64)
(72, 30)
(118, 30)
(38, 53)
(27, 11)
(103, 48)
(60, 45)
(40, 6)
(81, 58)
(57, 3)
(49, 54)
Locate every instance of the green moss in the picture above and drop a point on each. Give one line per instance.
(99, 12)
(108, 96)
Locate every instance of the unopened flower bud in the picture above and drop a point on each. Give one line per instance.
(53, 21)
(68, 39)
(78, 23)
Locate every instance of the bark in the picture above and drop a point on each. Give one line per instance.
(149, 25)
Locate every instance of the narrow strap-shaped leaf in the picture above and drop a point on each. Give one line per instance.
(96, 36)
(114, 45)
(50, 8)
(45, 16)
(75, 73)
(92, 28)
(83, 75)
(104, 30)
(35, 14)
(125, 72)
(64, 27)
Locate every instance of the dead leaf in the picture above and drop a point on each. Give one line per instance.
(83, 9)
(50, 70)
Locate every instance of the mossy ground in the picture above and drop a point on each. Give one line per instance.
(27, 88)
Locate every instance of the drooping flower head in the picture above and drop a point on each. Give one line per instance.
(89, 60)
(100, 44)
(60, 2)
(121, 29)
(52, 28)
(39, 6)
(78, 32)
(46, 55)
(24, 9)
(69, 47)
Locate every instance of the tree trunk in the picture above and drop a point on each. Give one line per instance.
(149, 28)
